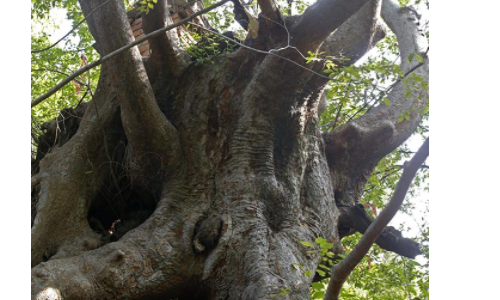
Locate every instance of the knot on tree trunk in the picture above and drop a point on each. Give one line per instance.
(207, 234)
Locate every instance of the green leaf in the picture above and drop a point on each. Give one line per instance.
(419, 57)
(307, 244)
(317, 285)
(318, 295)
(410, 57)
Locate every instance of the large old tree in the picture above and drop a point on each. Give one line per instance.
(199, 181)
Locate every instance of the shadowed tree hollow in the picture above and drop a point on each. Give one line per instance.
(199, 180)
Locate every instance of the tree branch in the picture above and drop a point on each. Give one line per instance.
(167, 55)
(381, 129)
(113, 54)
(355, 219)
(356, 36)
(320, 20)
(351, 41)
(269, 10)
(341, 271)
(153, 142)
(239, 14)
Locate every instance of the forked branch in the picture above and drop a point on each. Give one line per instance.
(153, 143)
(341, 271)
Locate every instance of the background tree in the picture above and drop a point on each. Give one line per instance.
(201, 180)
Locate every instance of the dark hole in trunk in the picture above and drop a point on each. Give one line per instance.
(119, 209)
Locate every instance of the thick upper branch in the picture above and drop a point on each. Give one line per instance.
(356, 36)
(239, 14)
(350, 42)
(153, 140)
(269, 10)
(167, 54)
(354, 219)
(320, 20)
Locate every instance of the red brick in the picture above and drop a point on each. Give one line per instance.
(137, 26)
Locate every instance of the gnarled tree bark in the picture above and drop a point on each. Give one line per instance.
(215, 172)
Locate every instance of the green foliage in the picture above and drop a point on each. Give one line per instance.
(208, 46)
(222, 18)
(323, 247)
(146, 5)
(357, 88)
(385, 275)
(51, 66)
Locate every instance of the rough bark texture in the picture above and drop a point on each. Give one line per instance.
(208, 176)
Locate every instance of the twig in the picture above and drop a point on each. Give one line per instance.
(58, 72)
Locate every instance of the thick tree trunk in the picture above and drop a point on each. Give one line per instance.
(216, 172)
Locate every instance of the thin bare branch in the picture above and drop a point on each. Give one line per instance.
(341, 271)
